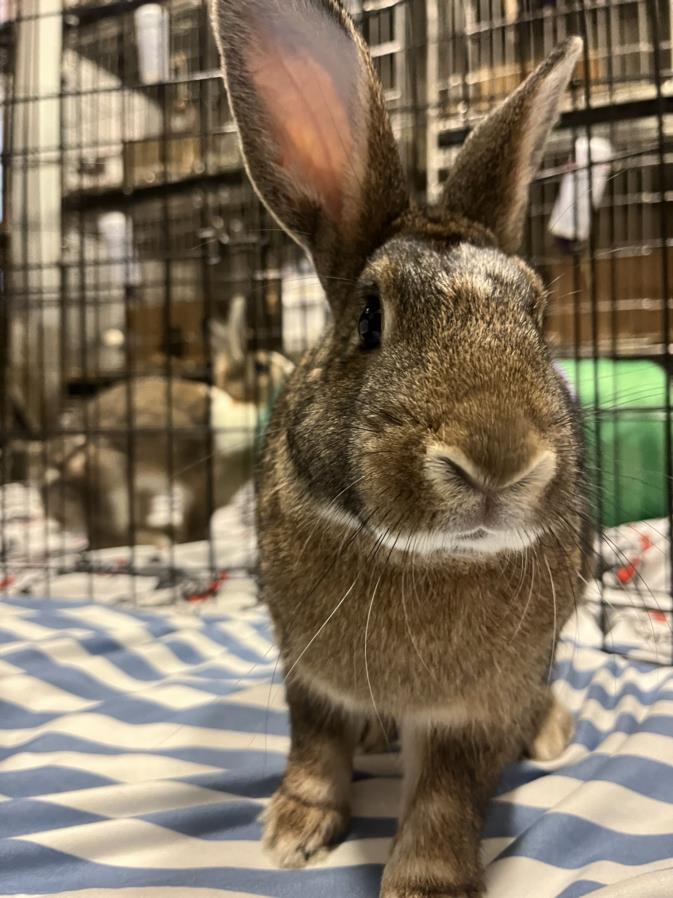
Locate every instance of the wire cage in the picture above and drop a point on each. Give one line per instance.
(151, 308)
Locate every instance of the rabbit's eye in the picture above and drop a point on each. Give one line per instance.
(371, 323)
(261, 367)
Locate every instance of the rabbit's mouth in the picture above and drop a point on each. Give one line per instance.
(439, 542)
(472, 534)
(471, 543)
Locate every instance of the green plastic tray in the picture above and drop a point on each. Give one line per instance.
(623, 403)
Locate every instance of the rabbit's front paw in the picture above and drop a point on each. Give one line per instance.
(411, 876)
(430, 889)
(297, 832)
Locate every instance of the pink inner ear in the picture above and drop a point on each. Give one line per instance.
(307, 91)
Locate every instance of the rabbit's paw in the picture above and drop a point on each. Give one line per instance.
(297, 832)
(554, 734)
(430, 889)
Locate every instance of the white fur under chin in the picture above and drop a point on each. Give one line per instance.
(431, 542)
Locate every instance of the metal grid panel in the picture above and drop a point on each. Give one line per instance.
(121, 129)
(135, 237)
(485, 46)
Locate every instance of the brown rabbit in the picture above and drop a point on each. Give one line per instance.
(420, 504)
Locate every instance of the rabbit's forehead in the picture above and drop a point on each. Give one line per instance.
(410, 270)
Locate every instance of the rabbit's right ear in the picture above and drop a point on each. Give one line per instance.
(316, 138)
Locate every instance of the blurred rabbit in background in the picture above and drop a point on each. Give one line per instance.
(160, 441)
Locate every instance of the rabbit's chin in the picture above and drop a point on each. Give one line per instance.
(469, 544)
(477, 543)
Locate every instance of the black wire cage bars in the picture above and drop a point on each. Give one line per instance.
(150, 310)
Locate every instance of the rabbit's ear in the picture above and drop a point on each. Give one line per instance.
(316, 138)
(491, 176)
(229, 340)
(237, 329)
(218, 335)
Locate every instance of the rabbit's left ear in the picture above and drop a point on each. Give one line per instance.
(491, 176)
(315, 135)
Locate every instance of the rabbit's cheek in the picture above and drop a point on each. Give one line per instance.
(393, 487)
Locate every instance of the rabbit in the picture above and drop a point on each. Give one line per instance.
(86, 479)
(89, 476)
(421, 518)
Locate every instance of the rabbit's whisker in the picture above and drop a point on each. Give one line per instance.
(321, 628)
(528, 600)
(553, 640)
(348, 540)
(369, 681)
(331, 505)
(522, 580)
(379, 543)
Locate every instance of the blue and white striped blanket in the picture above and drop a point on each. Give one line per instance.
(137, 749)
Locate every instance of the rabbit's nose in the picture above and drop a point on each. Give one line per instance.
(457, 468)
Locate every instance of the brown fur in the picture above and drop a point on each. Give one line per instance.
(382, 468)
